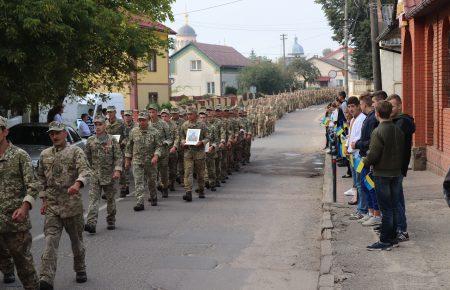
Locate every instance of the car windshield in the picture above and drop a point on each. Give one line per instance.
(29, 135)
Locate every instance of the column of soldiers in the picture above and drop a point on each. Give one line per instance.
(158, 152)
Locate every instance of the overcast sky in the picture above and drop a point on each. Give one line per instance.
(257, 24)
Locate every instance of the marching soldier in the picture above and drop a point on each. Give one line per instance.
(173, 130)
(211, 154)
(63, 170)
(143, 148)
(194, 155)
(18, 191)
(105, 157)
(125, 176)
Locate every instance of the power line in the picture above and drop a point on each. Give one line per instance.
(211, 7)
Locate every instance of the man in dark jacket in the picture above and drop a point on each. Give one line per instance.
(385, 155)
(406, 124)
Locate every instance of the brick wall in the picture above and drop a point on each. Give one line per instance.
(426, 84)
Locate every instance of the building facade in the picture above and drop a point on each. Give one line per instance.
(425, 37)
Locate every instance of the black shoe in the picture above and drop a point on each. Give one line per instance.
(154, 201)
(226, 177)
(104, 196)
(201, 194)
(127, 190)
(172, 187)
(223, 181)
(139, 207)
(207, 185)
(178, 180)
(111, 226)
(188, 196)
(379, 246)
(197, 190)
(43, 285)
(9, 278)
(159, 188)
(403, 236)
(165, 193)
(81, 277)
(89, 228)
(213, 189)
(123, 193)
(218, 184)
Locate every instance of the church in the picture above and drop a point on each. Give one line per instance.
(198, 69)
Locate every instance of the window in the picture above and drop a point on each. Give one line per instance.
(196, 65)
(211, 88)
(153, 97)
(152, 63)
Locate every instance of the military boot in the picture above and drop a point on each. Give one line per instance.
(123, 193)
(188, 196)
(165, 193)
(201, 194)
(90, 228)
(213, 188)
(153, 201)
(44, 285)
(207, 184)
(111, 226)
(9, 278)
(139, 207)
(81, 277)
(172, 186)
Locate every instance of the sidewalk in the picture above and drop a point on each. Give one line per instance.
(421, 263)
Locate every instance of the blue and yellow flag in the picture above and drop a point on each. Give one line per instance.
(325, 121)
(339, 131)
(369, 183)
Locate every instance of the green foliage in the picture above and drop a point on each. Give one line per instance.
(326, 51)
(53, 48)
(359, 30)
(229, 90)
(268, 78)
(167, 105)
(300, 67)
(185, 101)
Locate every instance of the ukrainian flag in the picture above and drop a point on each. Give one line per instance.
(339, 131)
(369, 183)
(360, 166)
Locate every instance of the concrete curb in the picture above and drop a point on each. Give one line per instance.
(326, 278)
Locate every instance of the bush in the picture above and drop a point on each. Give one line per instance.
(229, 90)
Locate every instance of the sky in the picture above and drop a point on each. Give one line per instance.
(257, 24)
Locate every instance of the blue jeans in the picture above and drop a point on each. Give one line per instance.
(401, 219)
(362, 200)
(371, 195)
(388, 192)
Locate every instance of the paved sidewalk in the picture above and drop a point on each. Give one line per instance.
(421, 263)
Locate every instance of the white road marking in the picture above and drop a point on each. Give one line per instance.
(103, 207)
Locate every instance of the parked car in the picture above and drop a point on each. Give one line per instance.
(33, 138)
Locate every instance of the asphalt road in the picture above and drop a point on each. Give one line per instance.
(260, 231)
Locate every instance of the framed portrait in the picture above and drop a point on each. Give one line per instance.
(192, 136)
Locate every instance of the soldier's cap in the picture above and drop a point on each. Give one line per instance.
(165, 111)
(56, 126)
(219, 108)
(152, 106)
(128, 113)
(3, 122)
(175, 110)
(208, 108)
(111, 109)
(182, 112)
(191, 110)
(143, 115)
(202, 112)
(99, 119)
(226, 109)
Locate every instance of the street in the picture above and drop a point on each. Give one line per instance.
(260, 231)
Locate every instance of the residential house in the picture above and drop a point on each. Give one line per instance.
(425, 37)
(199, 69)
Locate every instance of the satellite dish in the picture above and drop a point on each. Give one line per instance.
(332, 74)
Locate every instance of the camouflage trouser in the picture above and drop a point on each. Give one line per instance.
(246, 150)
(224, 164)
(144, 181)
(53, 227)
(230, 163)
(181, 164)
(237, 154)
(163, 170)
(260, 130)
(218, 164)
(94, 199)
(173, 163)
(18, 246)
(125, 176)
(211, 169)
(194, 161)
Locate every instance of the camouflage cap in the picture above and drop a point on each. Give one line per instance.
(226, 109)
(175, 110)
(165, 111)
(56, 126)
(219, 108)
(208, 108)
(111, 109)
(99, 119)
(3, 122)
(152, 106)
(202, 112)
(191, 110)
(143, 115)
(128, 113)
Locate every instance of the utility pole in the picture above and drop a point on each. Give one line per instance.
(283, 38)
(376, 66)
(346, 46)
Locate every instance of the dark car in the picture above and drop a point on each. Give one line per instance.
(33, 138)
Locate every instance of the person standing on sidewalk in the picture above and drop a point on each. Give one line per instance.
(406, 124)
(386, 156)
(63, 170)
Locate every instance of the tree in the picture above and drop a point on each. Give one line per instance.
(300, 67)
(229, 90)
(359, 30)
(51, 49)
(268, 78)
(326, 51)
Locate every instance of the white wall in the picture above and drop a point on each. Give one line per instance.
(391, 72)
(193, 83)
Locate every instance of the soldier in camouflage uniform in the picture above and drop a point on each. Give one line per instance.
(211, 154)
(105, 157)
(166, 143)
(194, 155)
(126, 176)
(224, 144)
(173, 157)
(63, 170)
(247, 141)
(114, 126)
(144, 149)
(180, 121)
(18, 191)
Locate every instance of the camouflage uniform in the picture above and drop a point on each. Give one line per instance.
(173, 157)
(59, 169)
(194, 157)
(210, 160)
(180, 150)
(104, 156)
(17, 185)
(166, 143)
(126, 175)
(226, 149)
(142, 145)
